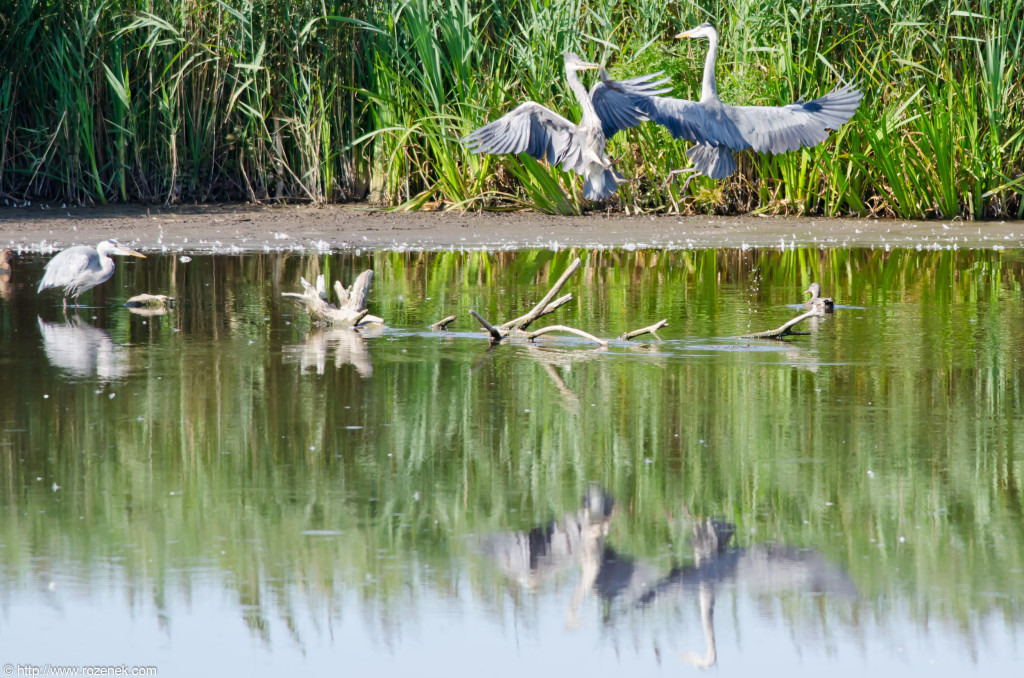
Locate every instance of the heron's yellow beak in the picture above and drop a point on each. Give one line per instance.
(685, 34)
(588, 66)
(132, 253)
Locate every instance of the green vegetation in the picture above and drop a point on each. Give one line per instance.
(189, 100)
(195, 100)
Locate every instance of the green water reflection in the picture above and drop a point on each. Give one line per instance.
(229, 441)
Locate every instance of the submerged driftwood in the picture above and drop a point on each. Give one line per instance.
(151, 301)
(345, 345)
(351, 309)
(786, 329)
(443, 323)
(652, 329)
(548, 304)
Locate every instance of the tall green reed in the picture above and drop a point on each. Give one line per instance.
(338, 100)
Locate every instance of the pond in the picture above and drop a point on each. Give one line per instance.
(226, 490)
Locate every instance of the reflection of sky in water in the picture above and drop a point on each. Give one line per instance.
(204, 635)
(269, 499)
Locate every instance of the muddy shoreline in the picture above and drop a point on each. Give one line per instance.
(243, 227)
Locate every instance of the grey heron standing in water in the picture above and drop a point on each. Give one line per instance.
(717, 129)
(82, 267)
(545, 135)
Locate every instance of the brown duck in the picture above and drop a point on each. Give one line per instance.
(824, 303)
(6, 257)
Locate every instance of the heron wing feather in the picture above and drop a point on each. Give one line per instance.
(616, 101)
(779, 129)
(67, 268)
(533, 129)
(693, 120)
(766, 129)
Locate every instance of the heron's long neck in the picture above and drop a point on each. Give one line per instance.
(106, 265)
(708, 88)
(582, 96)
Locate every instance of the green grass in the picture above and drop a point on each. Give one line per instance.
(197, 100)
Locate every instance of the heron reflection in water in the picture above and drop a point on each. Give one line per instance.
(82, 267)
(625, 583)
(82, 350)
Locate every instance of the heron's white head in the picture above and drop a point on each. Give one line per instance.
(705, 30)
(574, 63)
(111, 246)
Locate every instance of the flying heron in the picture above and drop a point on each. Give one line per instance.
(82, 267)
(717, 129)
(545, 135)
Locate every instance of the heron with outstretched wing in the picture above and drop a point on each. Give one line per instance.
(545, 135)
(717, 129)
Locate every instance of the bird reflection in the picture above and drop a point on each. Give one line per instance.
(529, 558)
(625, 583)
(347, 345)
(82, 350)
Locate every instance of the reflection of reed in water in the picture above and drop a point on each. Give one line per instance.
(347, 345)
(83, 350)
(624, 583)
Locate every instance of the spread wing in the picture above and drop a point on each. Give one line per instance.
(699, 122)
(778, 129)
(771, 129)
(533, 129)
(616, 100)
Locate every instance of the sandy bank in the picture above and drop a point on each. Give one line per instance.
(257, 228)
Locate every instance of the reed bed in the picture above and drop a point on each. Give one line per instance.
(296, 100)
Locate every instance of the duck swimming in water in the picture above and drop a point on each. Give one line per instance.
(824, 303)
(6, 257)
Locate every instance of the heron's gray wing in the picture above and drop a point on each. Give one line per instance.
(778, 129)
(533, 129)
(616, 100)
(715, 162)
(65, 267)
(700, 122)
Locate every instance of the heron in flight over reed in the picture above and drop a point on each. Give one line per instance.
(717, 129)
(545, 135)
(82, 267)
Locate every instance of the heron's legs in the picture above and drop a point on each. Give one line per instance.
(692, 171)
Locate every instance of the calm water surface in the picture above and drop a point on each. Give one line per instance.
(224, 490)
